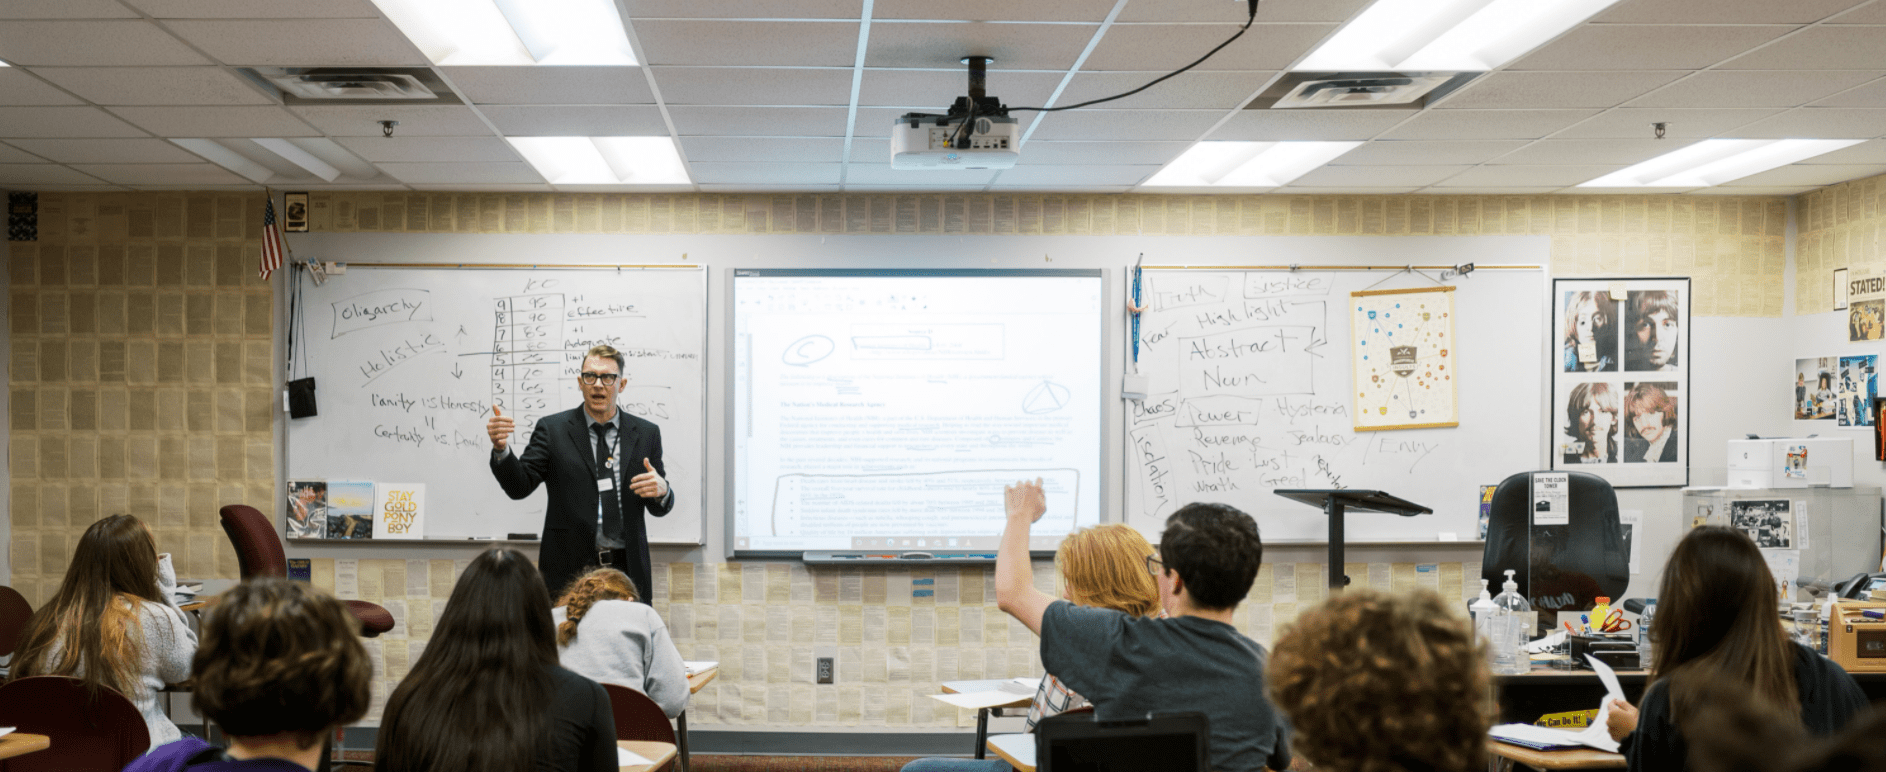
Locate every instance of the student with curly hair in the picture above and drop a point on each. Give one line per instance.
(113, 623)
(280, 667)
(1383, 683)
(604, 635)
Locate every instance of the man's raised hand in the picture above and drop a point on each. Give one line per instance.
(1025, 499)
(649, 484)
(499, 427)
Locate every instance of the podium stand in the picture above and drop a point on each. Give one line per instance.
(1335, 501)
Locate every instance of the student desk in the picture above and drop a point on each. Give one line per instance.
(659, 753)
(1573, 758)
(1016, 749)
(1524, 698)
(982, 715)
(695, 684)
(20, 744)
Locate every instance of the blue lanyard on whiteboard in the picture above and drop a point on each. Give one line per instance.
(1136, 276)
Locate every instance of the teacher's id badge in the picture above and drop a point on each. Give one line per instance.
(606, 484)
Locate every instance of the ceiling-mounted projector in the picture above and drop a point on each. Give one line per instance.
(977, 133)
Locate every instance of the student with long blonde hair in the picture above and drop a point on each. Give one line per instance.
(113, 623)
(604, 635)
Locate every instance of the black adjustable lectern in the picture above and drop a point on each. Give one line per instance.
(1335, 501)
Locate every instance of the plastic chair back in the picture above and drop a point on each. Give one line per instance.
(15, 612)
(258, 546)
(88, 735)
(637, 716)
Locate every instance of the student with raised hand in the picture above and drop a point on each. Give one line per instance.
(488, 694)
(1103, 566)
(604, 635)
(280, 666)
(1130, 666)
(1383, 683)
(113, 623)
(1716, 624)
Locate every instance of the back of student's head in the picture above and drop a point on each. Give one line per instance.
(1383, 683)
(89, 628)
(1733, 733)
(280, 656)
(1716, 620)
(597, 585)
(1216, 549)
(1105, 566)
(475, 699)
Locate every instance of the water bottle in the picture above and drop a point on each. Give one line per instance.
(1483, 612)
(1509, 629)
(1645, 652)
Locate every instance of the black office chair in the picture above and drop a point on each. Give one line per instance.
(1558, 567)
(1169, 742)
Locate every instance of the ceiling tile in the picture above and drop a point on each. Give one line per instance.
(1310, 124)
(1809, 174)
(1634, 123)
(551, 85)
(1097, 124)
(1818, 123)
(258, 9)
(155, 85)
(1646, 47)
(1198, 90)
(1556, 89)
(92, 43)
(935, 90)
(293, 42)
(1515, 190)
(431, 149)
(744, 9)
(1170, 11)
(1167, 47)
(63, 122)
(11, 155)
(883, 174)
(163, 174)
(486, 173)
(460, 187)
(749, 43)
(1753, 88)
(1871, 152)
(1050, 153)
(1723, 11)
(753, 86)
(912, 187)
(1819, 48)
(1419, 152)
(17, 88)
(1869, 95)
(42, 174)
(1014, 46)
(991, 10)
(1789, 190)
(1376, 176)
(698, 120)
(766, 173)
(414, 120)
(735, 150)
(1486, 124)
(628, 121)
(867, 150)
(711, 188)
(1516, 175)
(217, 121)
(1107, 174)
(1871, 13)
(64, 9)
(1570, 152)
(107, 151)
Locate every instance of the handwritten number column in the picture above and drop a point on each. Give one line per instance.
(525, 363)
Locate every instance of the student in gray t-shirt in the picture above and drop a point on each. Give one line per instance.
(1195, 660)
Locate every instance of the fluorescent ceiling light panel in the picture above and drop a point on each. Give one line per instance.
(1448, 35)
(299, 157)
(1716, 161)
(604, 160)
(513, 32)
(226, 158)
(1246, 164)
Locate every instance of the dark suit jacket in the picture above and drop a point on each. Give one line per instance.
(560, 458)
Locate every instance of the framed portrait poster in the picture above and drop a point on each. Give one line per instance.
(1620, 380)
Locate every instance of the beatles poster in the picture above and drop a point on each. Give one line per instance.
(1620, 380)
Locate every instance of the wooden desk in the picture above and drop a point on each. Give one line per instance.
(1016, 749)
(19, 744)
(1524, 698)
(192, 605)
(1572, 758)
(982, 714)
(695, 683)
(659, 753)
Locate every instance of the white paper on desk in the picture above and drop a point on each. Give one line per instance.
(1546, 644)
(1598, 734)
(700, 666)
(629, 758)
(980, 700)
(7, 730)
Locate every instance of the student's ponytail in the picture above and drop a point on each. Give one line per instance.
(598, 584)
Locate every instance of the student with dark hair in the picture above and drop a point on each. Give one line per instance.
(280, 666)
(1730, 734)
(604, 635)
(1716, 624)
(113, 623)
(488, 694)
(1195, 660)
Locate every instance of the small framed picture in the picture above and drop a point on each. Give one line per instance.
(1879, 429)
(294, 213)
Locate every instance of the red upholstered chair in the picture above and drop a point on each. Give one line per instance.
(15, 612)
(259, 553)
(637, 716)
(87, 734)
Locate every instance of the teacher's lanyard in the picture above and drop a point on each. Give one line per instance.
(615, 451)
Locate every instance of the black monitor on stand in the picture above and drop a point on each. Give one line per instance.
(1334, 502)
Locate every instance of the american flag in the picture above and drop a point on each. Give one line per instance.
(271, 240)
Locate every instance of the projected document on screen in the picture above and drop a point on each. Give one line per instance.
(886, 410)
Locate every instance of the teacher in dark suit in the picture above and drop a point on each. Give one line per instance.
(595, 512)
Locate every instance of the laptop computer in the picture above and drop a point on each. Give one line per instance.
(1170, 742)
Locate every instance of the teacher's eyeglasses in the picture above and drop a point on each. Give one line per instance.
(590, 379)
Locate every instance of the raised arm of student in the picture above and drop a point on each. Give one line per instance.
(1015, 591)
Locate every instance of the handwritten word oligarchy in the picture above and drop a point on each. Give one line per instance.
(402, 307)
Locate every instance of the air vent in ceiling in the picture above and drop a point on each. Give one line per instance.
(1358, 90)
(354, 85)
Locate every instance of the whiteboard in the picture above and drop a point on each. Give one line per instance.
(409, 361)
(1250, 391)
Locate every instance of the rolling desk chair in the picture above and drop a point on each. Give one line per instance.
(1558, 567)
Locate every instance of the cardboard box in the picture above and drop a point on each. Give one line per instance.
(1856, 642)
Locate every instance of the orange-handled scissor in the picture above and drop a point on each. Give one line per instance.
(1614, 622)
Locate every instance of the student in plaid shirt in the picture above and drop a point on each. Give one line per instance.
(1102, 566)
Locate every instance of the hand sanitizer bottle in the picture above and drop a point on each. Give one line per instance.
(1509, 629)
(1483, 612)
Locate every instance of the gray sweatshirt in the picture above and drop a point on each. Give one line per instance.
(625, 643)
(169, 644)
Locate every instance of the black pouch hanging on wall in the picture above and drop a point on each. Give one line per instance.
(301, 398)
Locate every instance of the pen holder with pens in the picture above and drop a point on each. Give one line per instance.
(1618, 650)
